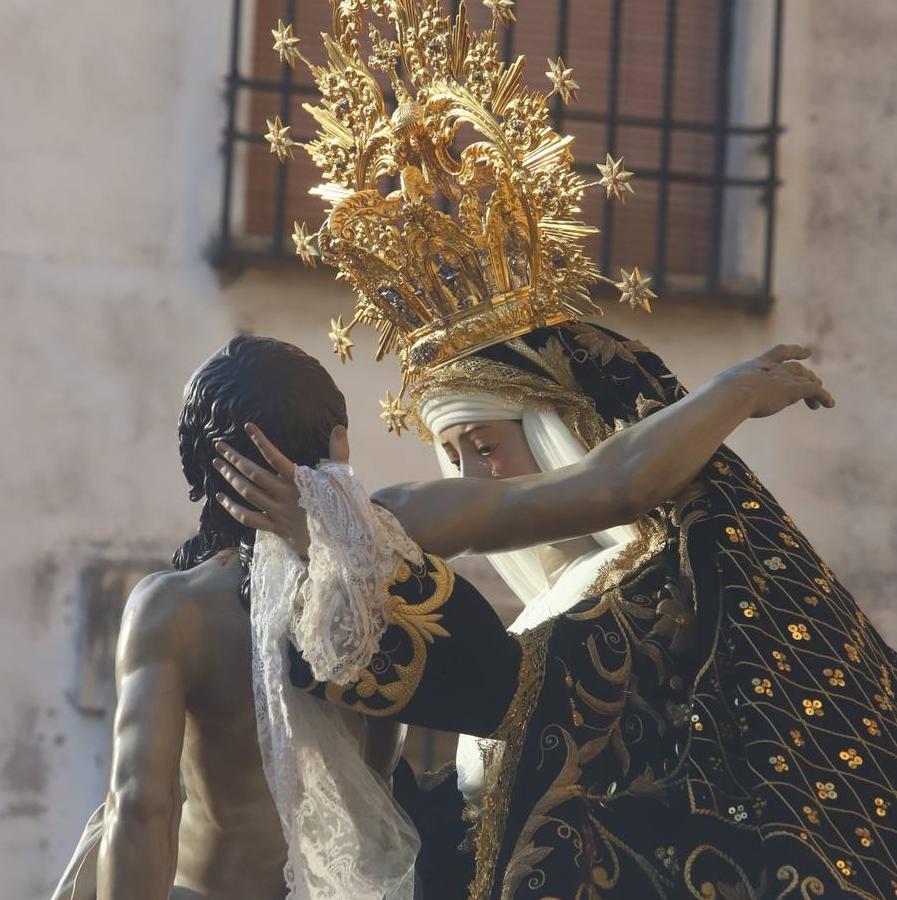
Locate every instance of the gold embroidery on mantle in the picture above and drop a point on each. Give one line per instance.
(421, 622)
(503, 759)
(526, 854)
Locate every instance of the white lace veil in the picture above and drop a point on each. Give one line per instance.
(553, 446)
(346, 836)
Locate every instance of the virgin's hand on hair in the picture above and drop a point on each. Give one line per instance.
(272, 494)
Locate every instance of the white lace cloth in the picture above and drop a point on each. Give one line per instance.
(346, 836)
(355, 549)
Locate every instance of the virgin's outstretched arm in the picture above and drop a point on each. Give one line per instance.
(625, 476)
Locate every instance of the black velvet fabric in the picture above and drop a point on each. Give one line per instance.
(715, 719)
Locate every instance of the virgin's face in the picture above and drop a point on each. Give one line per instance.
(497, 449)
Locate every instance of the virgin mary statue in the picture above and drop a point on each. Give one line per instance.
(733, 663)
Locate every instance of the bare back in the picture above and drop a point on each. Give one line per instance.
(230, 842)
(186, 719)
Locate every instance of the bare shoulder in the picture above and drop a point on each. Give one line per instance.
(168, 614)
(153, 619)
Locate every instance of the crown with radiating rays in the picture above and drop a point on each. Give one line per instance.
(453, 211)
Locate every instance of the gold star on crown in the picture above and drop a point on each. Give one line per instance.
(305, 246)
(510, 254)
(339, 337)
(615, 178)
(503, 10)
(285, 43)
(394, 414)
(278, 137)
(634, 289)
(562, 78)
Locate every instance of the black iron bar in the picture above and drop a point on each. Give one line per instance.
(577, 115)
(280, 196)
(699, 178)
(720, 162)
(224, 243)
(558, 108)
(765, 299)
(508, 49)
(666, 147)
(612, 119)
(274, 87)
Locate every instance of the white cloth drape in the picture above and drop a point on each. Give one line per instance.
(346, 836)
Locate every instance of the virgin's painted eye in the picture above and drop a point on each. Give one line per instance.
(486, 450)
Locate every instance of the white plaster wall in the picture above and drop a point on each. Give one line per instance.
(109, 179)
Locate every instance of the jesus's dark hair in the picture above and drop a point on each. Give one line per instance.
(284, 391)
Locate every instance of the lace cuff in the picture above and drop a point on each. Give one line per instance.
(355, 549)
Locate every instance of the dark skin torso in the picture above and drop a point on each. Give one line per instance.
(230, 843)
(226, 839)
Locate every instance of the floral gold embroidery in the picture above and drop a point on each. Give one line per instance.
(871, 726)
(762, 686)
(778, 763)
(886, 682)
(813, 708)
(826, 790)
(420, 622)
(736, 535)
(851, 757)
(738, 813)
(812, 814)
(797, 737)
(865, 836)
(811, 600)
(782, 663)
(749, 608)
(775, 564)
(799, 632)
(845, 867)
(881, 807)
(835, 677)
(787, 539)
(852, 653)
(750, 504)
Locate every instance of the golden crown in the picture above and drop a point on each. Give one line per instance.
(480, 240)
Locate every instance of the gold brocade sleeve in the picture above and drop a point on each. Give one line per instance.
(445, 661)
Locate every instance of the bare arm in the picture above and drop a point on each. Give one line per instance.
(138, 854)
(627, 475)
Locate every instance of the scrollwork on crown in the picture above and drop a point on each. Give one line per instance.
(454, 207)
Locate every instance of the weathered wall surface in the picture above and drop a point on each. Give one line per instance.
(109, 175)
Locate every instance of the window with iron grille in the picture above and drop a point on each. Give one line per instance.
(686, 90)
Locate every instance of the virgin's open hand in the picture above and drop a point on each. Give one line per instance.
(272, 494)
(777, 380)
